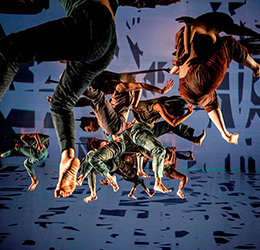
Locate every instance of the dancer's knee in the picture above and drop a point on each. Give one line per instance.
(159, 151)
(184, 179)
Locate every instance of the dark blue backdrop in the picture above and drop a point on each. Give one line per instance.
(145, 41)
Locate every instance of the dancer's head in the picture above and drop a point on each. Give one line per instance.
(89, 124)
(175, 107)
(106, 82)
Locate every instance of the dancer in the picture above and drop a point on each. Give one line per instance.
(86, 170)
(202, 65)
(86, 38)
(90, 124)
(33, 146)
(124, 167)
(170, 168)
(127, 169)
(112, 115)
(142, 134)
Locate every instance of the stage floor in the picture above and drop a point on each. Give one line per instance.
(222, 211)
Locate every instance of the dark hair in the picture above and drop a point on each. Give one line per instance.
(218, 20)
(85, 121)
(177, 107)
(106, 81)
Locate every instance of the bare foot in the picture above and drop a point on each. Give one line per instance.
(90, 198)
(161, 188)
(180, 194)
(112, 182)
(79, 180)
(33, 185)
(151, 193)
(143, 174)
(67, 178)
(233, 138)
(132, 196)
(105, 183)
(199, 139)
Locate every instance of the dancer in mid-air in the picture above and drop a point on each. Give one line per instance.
(34, 147)
(124, 166)
(125, 93)
(142, 131)
(90, 124)
(86, 38)
(202, 59)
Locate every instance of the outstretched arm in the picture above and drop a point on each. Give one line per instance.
(124, 86)
(171, 119)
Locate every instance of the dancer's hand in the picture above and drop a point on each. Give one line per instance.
(138, 110)
(129, 125)
(168, 86)
(40, 148)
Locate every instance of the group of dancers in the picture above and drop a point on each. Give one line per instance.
(86, 39)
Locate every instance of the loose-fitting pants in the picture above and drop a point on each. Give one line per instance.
(160, 128)
(202, 79)
(134, 178)
(99, 158)
(143, 135)
(86, 39)
(85, 167)
(31, 153)
(87, 171)
(108, 118)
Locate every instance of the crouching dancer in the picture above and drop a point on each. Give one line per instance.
(33, 146)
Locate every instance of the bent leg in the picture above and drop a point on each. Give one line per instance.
(253, 65)
(92, 185)
(98, 159)
(182, 130)
(112, 122)
(28, 164)
(239, 53)
(143, 136)
(140, 171)
(216, 117)
(40, 43)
